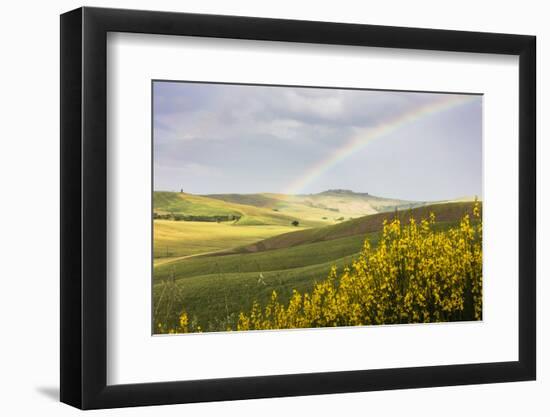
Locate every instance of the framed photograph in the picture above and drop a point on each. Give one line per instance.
(257, 207)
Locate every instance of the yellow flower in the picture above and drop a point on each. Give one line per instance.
(415, 274)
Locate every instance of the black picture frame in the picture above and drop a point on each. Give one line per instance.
(84, 207)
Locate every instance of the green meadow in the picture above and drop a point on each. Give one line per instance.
(214, 255)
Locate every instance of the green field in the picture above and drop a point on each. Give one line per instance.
(194, 205)
(329, 206)
(213, 301)
(176, 239)
(214, 270)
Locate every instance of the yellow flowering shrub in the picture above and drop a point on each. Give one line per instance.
(416, 274)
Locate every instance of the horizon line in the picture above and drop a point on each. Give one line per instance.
(334, 190)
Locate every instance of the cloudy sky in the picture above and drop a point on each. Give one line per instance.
(215, 138)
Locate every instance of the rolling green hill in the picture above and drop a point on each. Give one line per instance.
(257, 200)
(214, 301)
(188, 204)
(329, 206)
(449, 212)
(184, 204)
(278, 259)
(178, 239)
(213, 288)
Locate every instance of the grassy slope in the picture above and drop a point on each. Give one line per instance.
(190, 204)
(210, 299)
(327, 206)
(173, 239)
(214, 287)
(280, 259)
(176, 239)
(286, 205)
(302, 247)
(360, 226)
(351, 204)
(257, 200)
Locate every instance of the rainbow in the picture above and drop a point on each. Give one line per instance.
(364, 136)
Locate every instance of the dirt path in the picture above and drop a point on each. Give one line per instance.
(164, 261)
